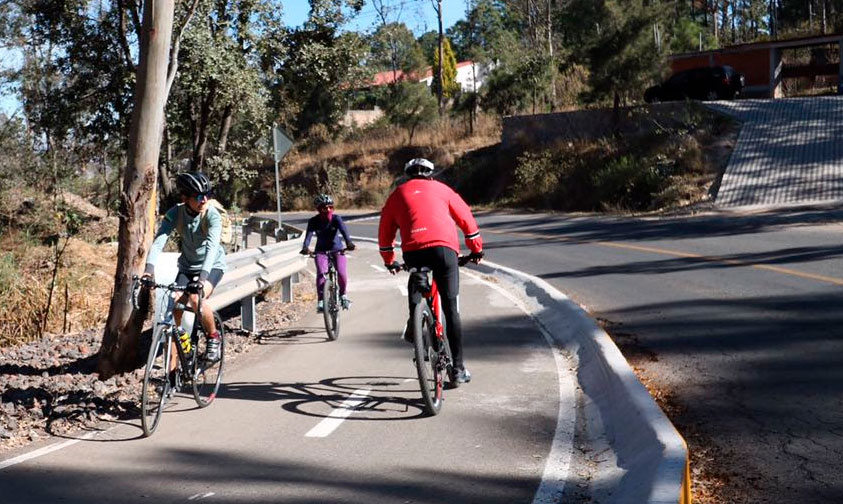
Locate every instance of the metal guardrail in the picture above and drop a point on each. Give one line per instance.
(265, 229)
(251, 270)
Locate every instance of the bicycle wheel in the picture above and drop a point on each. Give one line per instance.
(156, 383)
(207, 376)
(431, 378)
(331, 307)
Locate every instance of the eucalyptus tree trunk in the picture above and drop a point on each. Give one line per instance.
(119, 351)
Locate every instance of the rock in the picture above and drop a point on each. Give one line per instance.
(100, 388)
(4, 434)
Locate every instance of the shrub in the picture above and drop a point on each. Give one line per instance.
(627, 182)
(537, 176)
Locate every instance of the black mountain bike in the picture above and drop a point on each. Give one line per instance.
(160, 383)
(331, 305)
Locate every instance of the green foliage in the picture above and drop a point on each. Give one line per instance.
(537, 176)
(484, 35)
(624, 59)
(449, 71)
(511, 89)
(410, 106)
(685, 37)
(627, 182)
(393, 45)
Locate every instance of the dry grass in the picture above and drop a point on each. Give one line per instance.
(82, 293)
(372, 158)
(29, 230)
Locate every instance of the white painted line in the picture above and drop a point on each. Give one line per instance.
(336, 418)
(403, 289)
(43, 451)
(559, 460)
(378, 268)
(200, 496)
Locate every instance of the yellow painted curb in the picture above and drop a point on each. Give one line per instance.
(685, 496)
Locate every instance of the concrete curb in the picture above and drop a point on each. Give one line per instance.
(648, 447)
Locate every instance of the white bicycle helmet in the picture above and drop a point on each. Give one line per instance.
(323, 200)
(418, 167)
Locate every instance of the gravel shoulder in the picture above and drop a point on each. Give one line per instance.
(49, 387)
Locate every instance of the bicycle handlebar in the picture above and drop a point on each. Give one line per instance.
(150, 284)
(314, 254)
(461, 261)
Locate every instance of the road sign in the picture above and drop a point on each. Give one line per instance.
(281, 142)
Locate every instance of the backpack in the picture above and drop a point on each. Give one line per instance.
(227, 232)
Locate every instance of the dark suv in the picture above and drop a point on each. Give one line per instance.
(705, 83)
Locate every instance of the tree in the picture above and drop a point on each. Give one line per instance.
(410, 106)
(449, 72)
(321, 64)
(119, 346)
(624, 57)
(393, 47)
(511, 89)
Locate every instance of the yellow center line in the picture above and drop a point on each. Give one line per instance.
(676, 253)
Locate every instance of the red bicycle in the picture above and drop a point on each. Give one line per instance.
(432, 352)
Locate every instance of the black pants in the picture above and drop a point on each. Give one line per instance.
(442, 261)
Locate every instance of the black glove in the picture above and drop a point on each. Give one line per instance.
(194, 286)
(304, 251)
(147, 279)
(476, 257)
(394, 267)
(350, 246)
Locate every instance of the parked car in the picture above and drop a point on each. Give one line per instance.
(704, 83)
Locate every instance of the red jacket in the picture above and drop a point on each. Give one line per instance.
(425, 211)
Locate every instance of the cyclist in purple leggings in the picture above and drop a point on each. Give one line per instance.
(328, 227)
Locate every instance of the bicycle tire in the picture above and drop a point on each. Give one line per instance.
(330, 308)
(427, 359)
(156, 383)
(207, 376)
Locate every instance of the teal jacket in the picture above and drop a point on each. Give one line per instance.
(200, 240)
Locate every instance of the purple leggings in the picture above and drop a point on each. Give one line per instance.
(322, 268)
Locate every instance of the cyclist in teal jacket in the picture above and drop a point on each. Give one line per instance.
(202, 260)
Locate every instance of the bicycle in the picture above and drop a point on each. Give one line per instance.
(331, 296)
(159, 382)
(431, 349)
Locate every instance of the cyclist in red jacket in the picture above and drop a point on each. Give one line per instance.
(425, 211)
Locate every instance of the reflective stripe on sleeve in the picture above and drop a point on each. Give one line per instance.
(473, 236)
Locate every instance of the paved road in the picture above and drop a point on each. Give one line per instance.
(789, 151)
(269, 438)
(739, 313)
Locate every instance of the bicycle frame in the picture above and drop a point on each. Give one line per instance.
(330, 294)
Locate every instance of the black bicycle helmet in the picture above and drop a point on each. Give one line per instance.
(323, 200)
(418, 167)
(193, 183)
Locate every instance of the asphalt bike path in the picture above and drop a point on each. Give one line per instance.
(304, 420)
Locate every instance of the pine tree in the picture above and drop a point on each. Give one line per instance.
(449, 71)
